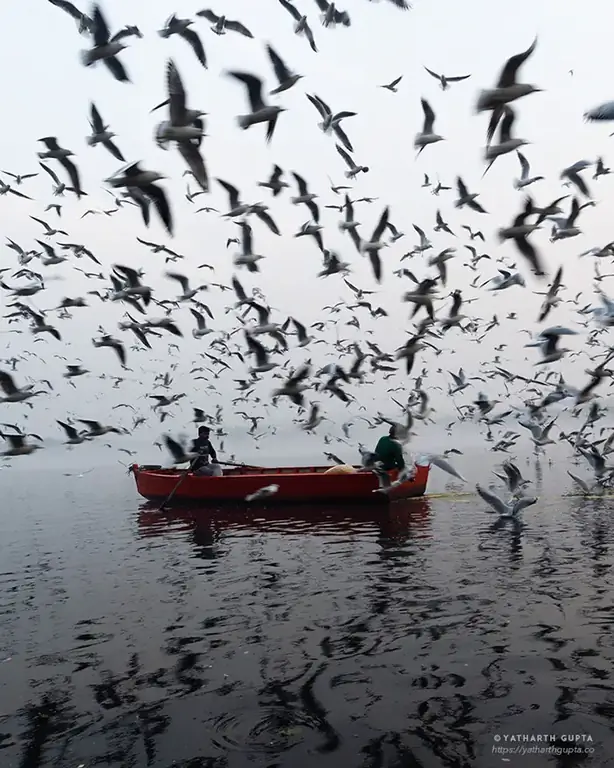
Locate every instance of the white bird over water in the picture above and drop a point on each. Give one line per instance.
(506, 510)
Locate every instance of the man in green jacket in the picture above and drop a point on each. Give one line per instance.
(389, 452)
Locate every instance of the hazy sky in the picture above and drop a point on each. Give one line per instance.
(47, 91)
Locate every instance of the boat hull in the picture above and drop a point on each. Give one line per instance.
(296, 485)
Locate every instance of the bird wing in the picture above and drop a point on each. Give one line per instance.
(97, 123)
(7, 384)
(429, 116)
(73, 174)
(196, 163)
(282, 73)
(210, 16)
(236, 26)
(490, 498)
(101, 30)
(291, 10)
(176, 92)
(320, 105)
(181, 279)
(433, 74)
(530, 253)
(191, 37)
(381, 226)
(160, 200)
(254, 88)
(233, 194)
(525, 168)
(350, 163)
(512, 65)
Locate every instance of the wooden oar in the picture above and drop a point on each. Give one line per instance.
(235, 464)
(169, 498)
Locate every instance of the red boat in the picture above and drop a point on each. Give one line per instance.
(295, 484)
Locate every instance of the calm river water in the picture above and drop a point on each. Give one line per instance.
(415, 637)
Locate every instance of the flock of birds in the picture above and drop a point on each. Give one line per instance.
(257, 335)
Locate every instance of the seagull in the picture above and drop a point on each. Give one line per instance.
(301, 27)
(572, 174)
(85, 23)
(601, 113)
(304, 196)
(247, 257)
(262, 493)
(19, 446)
(518, 233)
(285, 77)
(134, 176)
(74, 437)
(540, 435)
(105, 48)
(600, 169)
(55, 152)
(20, 178)
(201, 325)
(467, 198)
(185, 127)
(551, 300)
(426, 136)
(548, 341)
(263, 363)
(12, 393)
(441, 225)
(294, 386)
(274, 183)
(331, 16)
(444, 81)
(525, 170)
(49, 231)
(221, 24)
(188, 293)
(507, 89)
(565, 228)
(5, 188)
(332, 122)
(260, 112)
(181, 27)
(354, 169)
(101, 134)
(373, 246)
(109, 341)
(392, 86)
(506, 142)
(509, 510)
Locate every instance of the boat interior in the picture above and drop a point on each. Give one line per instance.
(244, 470)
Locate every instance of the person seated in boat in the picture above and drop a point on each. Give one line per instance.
(388, 450)
(201, 465)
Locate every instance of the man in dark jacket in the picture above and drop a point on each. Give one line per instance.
(389, 451)
(202, 446)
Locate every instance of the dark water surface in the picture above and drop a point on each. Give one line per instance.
(402, 639)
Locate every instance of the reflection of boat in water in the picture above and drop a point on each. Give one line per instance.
(401, 520)
(294, 484)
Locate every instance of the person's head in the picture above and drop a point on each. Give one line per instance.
(392, 432)
(204, 431)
